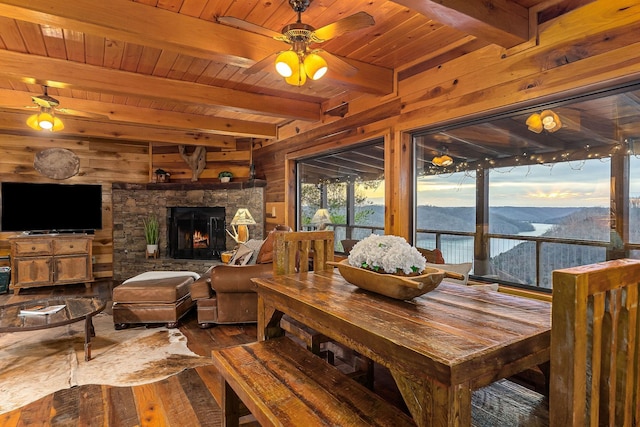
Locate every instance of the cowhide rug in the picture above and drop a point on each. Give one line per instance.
(37, 363)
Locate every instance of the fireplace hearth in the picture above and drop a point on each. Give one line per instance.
(196, 232)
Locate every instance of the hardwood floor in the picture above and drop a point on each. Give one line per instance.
(186, 399)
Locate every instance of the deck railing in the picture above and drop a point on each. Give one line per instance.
(536, 256)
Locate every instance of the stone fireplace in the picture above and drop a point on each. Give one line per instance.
(132, 203)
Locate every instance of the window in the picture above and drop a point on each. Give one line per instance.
(542, 203)
(543, 194)
(446, 203)
(350, 184)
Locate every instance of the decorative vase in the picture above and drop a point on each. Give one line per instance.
(151, 249)
(225, 178)
(391, 285)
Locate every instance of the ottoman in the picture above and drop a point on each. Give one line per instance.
(153, 297)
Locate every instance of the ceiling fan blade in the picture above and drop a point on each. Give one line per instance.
(262, 64)
(41, 102)
(78, 113)
(337, 64)
(248, 26)
(350, 23)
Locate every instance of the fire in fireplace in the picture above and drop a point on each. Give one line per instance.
(196, 232)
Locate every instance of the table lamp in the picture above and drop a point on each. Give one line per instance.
(241, 219)
(321, 218)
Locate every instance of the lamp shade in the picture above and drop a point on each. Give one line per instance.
(242, 217)
(550, 121)
(321, 218)
(287, 63)
(299, 77)
(45, 121)
(315, 66)
(534, 123)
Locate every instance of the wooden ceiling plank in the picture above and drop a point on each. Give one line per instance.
(134, 23)
(501, 22)
(94, 49)
(74, 45)
(58, 73)
(131, 57)
(11, 36)
(193, 7)
(32, 38)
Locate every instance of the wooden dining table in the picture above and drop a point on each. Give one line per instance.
(439, 347)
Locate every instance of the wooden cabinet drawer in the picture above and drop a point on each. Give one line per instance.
(32, 271)
(70, 246)
(33, 247)
(71, 269)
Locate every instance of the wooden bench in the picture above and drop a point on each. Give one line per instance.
(283, 384)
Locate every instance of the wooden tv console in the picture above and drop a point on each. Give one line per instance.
(50, 259)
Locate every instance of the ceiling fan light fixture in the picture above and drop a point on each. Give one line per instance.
(442, 161)
(315, 66)
(57, 124)
(299, 77)
(45, 120)
(286, 63)
(550, 121)
(534, 122)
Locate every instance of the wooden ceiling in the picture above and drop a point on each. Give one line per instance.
(166, 71)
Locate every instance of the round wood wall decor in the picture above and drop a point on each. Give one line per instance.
(57, 163)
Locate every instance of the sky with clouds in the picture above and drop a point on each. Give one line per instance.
(566, 184)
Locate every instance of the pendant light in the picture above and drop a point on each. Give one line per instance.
(45, 120)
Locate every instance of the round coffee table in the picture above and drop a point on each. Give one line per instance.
(75, 309)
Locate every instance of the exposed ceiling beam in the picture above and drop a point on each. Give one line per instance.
(14, 121)
(140, 24)
(66, 74)
(502, 22)
(146, 116)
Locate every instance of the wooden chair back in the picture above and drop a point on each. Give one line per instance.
(594, 345)
(294, 251)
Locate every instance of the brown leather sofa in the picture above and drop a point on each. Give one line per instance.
(226, 294)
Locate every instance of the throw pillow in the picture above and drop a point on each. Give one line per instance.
(254, 245)
(242, 256)
(463, 268)
(265, 256)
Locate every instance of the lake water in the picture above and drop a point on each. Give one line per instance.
(461, 249)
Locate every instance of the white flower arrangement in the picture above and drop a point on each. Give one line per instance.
(389, 254)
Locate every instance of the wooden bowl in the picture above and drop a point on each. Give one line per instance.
(393, 286)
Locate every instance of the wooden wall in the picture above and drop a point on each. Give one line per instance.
(593, 47)
(105, 162)
(101, 162)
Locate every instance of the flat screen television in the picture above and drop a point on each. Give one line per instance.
(50, 208)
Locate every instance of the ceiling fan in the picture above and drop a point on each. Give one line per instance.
(302, 60)
(48, 106)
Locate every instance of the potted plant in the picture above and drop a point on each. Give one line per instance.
(225, 176)
(151, 233)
